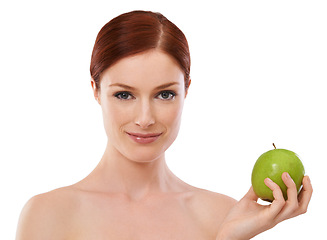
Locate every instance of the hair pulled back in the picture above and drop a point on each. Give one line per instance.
(135, 32)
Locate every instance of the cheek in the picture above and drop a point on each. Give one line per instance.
(114, 116)
(171, 117)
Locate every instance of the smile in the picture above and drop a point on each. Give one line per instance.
(144, 138)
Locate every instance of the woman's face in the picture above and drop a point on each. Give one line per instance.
(142, 99)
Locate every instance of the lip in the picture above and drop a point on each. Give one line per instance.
(143, 138)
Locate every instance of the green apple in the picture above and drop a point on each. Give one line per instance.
(271, 165)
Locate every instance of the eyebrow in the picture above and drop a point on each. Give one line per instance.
(163, 86)
(121, 85)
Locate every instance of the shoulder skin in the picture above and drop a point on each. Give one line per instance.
(45, 216)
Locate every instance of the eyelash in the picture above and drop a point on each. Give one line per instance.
(119, 95)
(129, 96)
(172, 95)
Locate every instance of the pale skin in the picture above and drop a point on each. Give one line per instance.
(132, 194)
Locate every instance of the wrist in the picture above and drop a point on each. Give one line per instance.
(223, 235)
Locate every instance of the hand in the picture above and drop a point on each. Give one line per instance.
(248, 218)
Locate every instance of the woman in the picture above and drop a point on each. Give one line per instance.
(140, 70)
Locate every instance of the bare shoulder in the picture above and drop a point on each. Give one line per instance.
(214, 199)
(211, 207)
(45, 216)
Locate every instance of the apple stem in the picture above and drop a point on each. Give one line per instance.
(274, 145)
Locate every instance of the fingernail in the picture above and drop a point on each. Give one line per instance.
(289, 177)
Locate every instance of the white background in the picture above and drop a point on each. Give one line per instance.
(258, 73)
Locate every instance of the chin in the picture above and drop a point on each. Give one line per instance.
(142, 155)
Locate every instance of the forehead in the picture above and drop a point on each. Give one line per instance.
(148, 69)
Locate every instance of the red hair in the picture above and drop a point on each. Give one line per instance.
(135, 32)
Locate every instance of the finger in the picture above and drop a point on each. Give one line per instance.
(279, 201)
(291, 189)
(305, 195)
(291, 207)
(250, 195)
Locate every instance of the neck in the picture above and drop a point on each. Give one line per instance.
(116, 173)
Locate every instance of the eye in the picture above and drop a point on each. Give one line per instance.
(123, 95)
(166, 95)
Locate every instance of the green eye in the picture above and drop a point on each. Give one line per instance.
(123, 95)
(166, 95)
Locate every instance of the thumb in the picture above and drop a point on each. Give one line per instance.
(250, 195)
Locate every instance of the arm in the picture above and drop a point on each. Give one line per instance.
(42, 218)
(248, 218)
(34, 220)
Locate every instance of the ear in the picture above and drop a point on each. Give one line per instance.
(96, 91)
(186, 89)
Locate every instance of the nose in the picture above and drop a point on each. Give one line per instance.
(144, 115)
